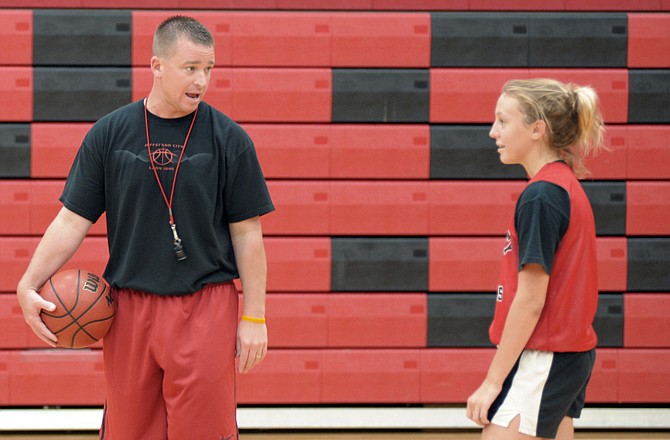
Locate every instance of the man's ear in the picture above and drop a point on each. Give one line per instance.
(156, 67)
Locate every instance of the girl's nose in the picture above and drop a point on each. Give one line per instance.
(493, 132)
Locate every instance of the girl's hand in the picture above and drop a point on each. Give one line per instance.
(480, 402)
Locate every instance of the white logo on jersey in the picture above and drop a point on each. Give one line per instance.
(499, 297)
(508, 243)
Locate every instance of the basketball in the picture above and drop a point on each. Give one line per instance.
(84, 307)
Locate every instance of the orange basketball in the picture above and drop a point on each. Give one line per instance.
(84, 307)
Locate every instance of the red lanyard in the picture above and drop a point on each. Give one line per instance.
(178, 249)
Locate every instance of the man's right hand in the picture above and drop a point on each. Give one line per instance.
(32, 305)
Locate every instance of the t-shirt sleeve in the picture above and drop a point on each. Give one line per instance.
(542, 217)
(84, 192)
(246, 193)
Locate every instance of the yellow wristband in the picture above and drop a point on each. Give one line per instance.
(252, 319)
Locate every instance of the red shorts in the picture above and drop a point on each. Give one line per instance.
(170, 366)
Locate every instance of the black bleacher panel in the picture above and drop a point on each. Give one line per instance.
(608, 322)
(14, 150)
(578, 40)
(381, 95)
(649, 96)
(73, 37)
(608, 200)
(648, 264)
(460, 319)
(463, 320)
(467, 152)
(79, 93)
(470, 39)
(379, 264)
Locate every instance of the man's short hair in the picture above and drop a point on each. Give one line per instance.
(175, 27)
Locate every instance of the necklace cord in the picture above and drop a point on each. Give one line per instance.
(168, 203)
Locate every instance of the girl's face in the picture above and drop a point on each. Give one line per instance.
(517, 143)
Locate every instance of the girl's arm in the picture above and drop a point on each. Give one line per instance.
(523, 316)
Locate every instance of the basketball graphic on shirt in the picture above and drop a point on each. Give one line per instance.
(162, 156)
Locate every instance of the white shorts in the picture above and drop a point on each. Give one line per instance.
(543, 388)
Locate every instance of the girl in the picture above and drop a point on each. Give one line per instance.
(548, 292)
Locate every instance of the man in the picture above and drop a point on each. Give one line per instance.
(182, 191)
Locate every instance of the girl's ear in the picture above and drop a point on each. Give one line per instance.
(539, 129)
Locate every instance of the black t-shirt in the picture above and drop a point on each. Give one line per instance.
(219, 181)
(541, 218)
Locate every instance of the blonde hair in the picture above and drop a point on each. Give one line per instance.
(571, 113)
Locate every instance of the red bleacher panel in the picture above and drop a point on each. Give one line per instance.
(15, 253)
(281, 95)
(281, 39)
(131, 4)
(472, 208)
(298, 264)
(324, 4)
(464, 264)
(648, 152)
(143, 80)
(41, 3)
(285, 376)
(603, 386)
(15, 198)
(643, 376)
(648, 40)
(648, 208)
(381, 40)
(16, 36)
(610, 84)
(219, 92)
(225, 4)
(303, 208)
(374, 151)
(292, 150)
(379, 208)
(467, 95)
(470, 95)
(15, 332)
(517, 5)
(452, 375)
(297, 320)
(16, 88)
(612, 263)
(612, 5)
(377, 320)
(611, 164)
(421, 5)
(54, 147)
(320, 320)
(57, 377)
(146, 22)
(646, 322)
(5, 361)
(371, 376)
(33, 205)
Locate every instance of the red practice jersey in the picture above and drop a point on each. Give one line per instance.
(565, 324)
